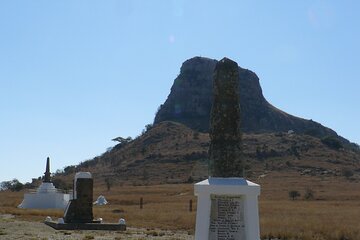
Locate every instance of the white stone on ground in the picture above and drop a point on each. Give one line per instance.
(100, 201)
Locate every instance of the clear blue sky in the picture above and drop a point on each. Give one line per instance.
(75, 74)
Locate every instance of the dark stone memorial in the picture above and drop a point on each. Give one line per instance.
(225, 133)
(79, 212)
(227, 203)
(227, 212)
(79, 209)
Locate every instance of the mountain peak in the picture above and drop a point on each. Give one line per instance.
(190, 100)
(198, 64)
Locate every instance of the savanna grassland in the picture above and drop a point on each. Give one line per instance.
(331, 212)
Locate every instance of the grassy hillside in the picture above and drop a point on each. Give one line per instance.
(170, 152)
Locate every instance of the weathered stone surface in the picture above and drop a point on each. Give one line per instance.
(80, 209)
(225, 133)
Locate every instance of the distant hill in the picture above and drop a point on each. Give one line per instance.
(190, 101)
(175, 148)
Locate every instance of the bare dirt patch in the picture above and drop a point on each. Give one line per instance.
(12, 228)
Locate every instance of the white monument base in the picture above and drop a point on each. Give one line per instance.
(227, 209)
(45, 197)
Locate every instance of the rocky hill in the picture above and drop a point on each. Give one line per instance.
(190, 101)
(175, 148)
(171, 152)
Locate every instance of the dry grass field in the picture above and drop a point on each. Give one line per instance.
(333, 213)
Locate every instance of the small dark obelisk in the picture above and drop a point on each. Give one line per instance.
(225, 134)
(47, 171)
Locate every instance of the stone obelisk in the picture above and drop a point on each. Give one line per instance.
(227, 203)
(225, 133)
(47, 177)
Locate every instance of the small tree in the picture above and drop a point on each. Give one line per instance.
(69, 169)
(190, 179)
(17, 186)
(122, 140)
(5, 185)
(13, 185)
(61, 184)
(346, 172)
(309, 194)
(109, 183)
(294, 194)
(148, 127)
(196, 135)
(332, 142)
(145, 174)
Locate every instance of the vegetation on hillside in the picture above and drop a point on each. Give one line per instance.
(170, 152)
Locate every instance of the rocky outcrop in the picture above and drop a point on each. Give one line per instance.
(190, 100)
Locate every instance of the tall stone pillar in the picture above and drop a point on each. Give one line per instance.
(227, 203)
(225, 133)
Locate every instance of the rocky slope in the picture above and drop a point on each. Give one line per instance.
(190, 100)
(171, 152)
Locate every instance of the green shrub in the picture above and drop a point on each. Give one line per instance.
(332, 142)
(294, 194)
(309, 194)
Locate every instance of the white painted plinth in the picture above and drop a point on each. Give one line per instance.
(45, 197)
(227, 187)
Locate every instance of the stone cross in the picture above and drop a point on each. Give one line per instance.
(225, 134)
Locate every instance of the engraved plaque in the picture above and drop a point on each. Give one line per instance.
(227, 218)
